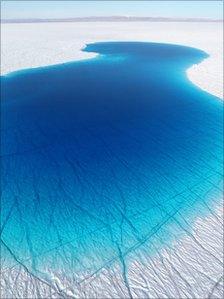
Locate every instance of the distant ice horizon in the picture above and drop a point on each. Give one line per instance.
(121, 18)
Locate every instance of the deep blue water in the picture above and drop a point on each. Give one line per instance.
(105, 155)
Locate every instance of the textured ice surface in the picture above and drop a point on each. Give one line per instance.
(188, 269)
(104, 163)
(193, 269)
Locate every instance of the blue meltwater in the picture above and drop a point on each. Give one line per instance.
(106, 156)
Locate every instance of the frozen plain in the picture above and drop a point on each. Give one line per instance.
(192, 267)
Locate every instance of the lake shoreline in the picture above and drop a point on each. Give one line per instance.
(206, 75)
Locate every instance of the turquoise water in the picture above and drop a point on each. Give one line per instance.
(103, 156)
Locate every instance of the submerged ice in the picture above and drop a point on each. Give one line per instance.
(105, 157)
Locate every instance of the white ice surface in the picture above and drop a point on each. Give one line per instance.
(193, 266)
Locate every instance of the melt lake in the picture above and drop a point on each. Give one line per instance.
(104, 156)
